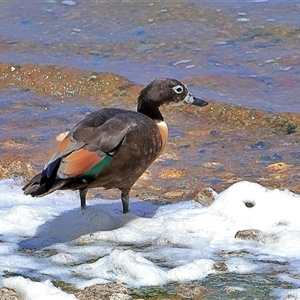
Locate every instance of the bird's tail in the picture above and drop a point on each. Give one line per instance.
(36, 189)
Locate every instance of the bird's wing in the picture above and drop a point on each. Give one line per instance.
(87, 148)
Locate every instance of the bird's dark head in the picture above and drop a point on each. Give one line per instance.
(167, 91)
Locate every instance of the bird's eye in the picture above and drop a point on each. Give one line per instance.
(178, 89)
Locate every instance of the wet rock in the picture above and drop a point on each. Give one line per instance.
(249, 204)
(205, 197)
(196, 292)
(113, 291)
(11, 167)
(170, 173)
(175, 194)
(248, 234)
(220, 266)
(8, 294)
(280, 166)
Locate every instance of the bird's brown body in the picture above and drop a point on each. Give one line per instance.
(111, 147)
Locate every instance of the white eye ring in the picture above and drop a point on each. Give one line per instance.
(178, 89)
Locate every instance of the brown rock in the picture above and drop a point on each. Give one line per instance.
(280, 166)
(102, 292)
(12, 167)
(220, 266)
(170, 173)
(248, 234)
(205, 197)
(175, 194)
(8, 294)
(195, 292)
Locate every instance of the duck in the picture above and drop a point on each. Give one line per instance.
(112, 147)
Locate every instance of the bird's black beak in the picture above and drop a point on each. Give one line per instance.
(199, 102)
(193, 100)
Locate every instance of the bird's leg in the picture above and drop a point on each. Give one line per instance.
(82, 194)
(125, 201)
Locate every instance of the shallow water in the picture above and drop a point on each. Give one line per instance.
(250, 46)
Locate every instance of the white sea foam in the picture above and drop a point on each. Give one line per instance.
(152, 245)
